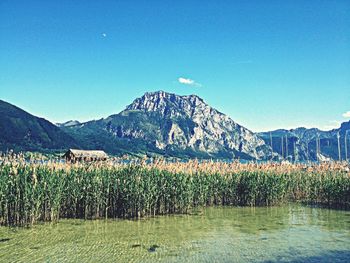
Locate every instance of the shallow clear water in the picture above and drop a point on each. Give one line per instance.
(290, 233)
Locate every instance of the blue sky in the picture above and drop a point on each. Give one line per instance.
(267, 64)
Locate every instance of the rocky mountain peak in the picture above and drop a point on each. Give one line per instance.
(170, 105)
(193, 124)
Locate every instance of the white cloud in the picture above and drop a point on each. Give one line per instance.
(190, 82)
(186, 81)
(104, 34)
(346, 114)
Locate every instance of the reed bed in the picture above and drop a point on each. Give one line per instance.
(32, 192)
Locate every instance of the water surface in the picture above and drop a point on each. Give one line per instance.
(291, 233)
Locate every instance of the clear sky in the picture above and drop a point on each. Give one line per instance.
(267, 64)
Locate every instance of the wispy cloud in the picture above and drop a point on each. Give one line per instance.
(190, 82)
(346, 114)
(331, 125)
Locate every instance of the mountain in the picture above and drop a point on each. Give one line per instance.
(68, 123)
(171, 125)
(310, 144)
(21, 131)
(160, 123)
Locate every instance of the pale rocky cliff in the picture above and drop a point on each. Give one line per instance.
(196, 125)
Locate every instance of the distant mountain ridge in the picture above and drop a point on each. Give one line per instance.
(180, 126)
(166, 124)
(22, 131)
(68, 123)
(310, 144)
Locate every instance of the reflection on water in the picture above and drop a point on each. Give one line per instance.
(291, 233)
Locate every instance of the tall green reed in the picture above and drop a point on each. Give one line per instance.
(30, 193)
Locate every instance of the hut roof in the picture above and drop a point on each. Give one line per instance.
(88, 153)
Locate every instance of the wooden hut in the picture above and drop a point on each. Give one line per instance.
(73, 155)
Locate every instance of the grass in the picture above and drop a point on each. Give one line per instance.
(46, 192)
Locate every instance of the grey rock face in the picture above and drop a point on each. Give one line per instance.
(194, 124)
(304, 144)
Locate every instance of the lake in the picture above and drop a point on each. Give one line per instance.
(290, 233)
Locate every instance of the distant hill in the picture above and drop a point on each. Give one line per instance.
(21, 131)
(301, 143)
(161, 123)
(171, 125)
(68, 123)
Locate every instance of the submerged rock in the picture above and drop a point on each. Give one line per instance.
(153, 248)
